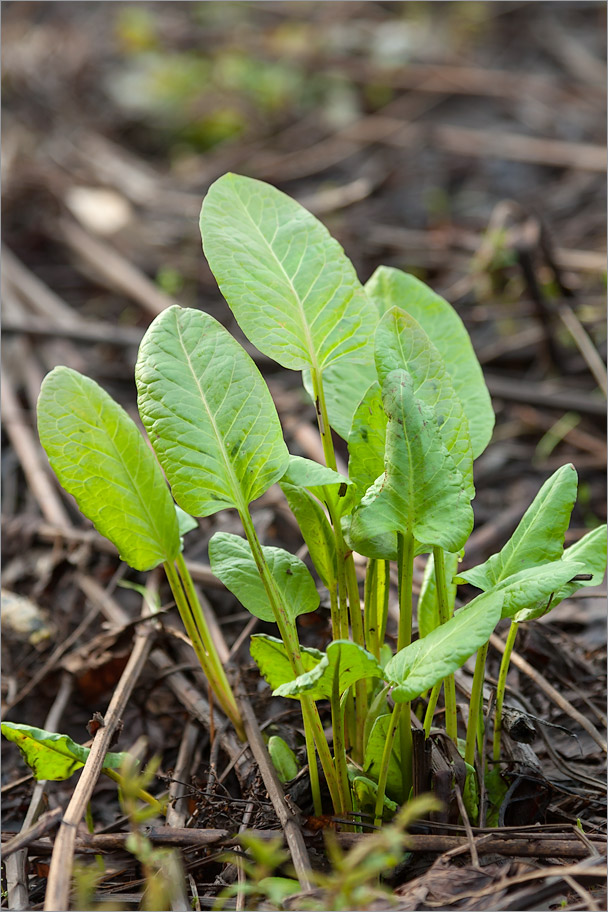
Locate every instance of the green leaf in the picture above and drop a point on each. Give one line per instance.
(50, 755)
(421, 491)
(401, 343)
(590, 551)
(345, 383)
(527, 594)
(423, 663)
(390, 287)
(270, 655)
(539, 537)
(312, 475)
(372, 760)
(367, 440)
(316, 531)
(185, 522)
(366, 791)
(292, 289)
(283, 759)
(208, 413)
(102, 459)
(344, 658)
(428, 610)
(233, 563)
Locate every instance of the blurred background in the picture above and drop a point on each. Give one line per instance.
(461, 141)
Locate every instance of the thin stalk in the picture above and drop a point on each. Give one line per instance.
(322, 418)
(405, 571)
(141, 793)
(386, 756)
(451, 720)
(475, 704)
(201, 623)
(500, 689)
(357, 630)
(337, 722)
(212, 668)
(370, 608)
(287, 629)
(430, 708)
(375, 604)
(384, 578)
(313, 771)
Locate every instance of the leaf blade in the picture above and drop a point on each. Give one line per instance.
(232, 562)
(51, 755)
(208, 413)
(102, 459)
(424, 663)
(290, 285)
(421, 491)
(539, 537)
(388, 287)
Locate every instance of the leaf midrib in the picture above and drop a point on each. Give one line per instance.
(239, 501)
(121, 462)
(301, 313)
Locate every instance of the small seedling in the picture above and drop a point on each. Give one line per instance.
(390, 368)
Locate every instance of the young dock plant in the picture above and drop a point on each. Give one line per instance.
(390, 369)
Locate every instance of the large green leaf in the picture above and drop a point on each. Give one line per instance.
(421, 492)
(271, 657)
(293, 291)
(428, 609)
(208, 413)
(539, 537)
(349, 661)
(427, 661)
(367, 440)
(102, 459)
(233, 563)
(590, 551)
(402, 343)
(390, 287)
(50, 755)
(316, 531)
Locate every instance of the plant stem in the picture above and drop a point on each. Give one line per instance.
(500, 689)
(384, 578)
(337, 722)
(475, 704)
(370, 608)
(430, 708)
(405, 571)
(445, 612)
(386, 756)
(322, 419)
(201, 623)
(141, 793)
(198, 632)
(287, 629)
(357, 629)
